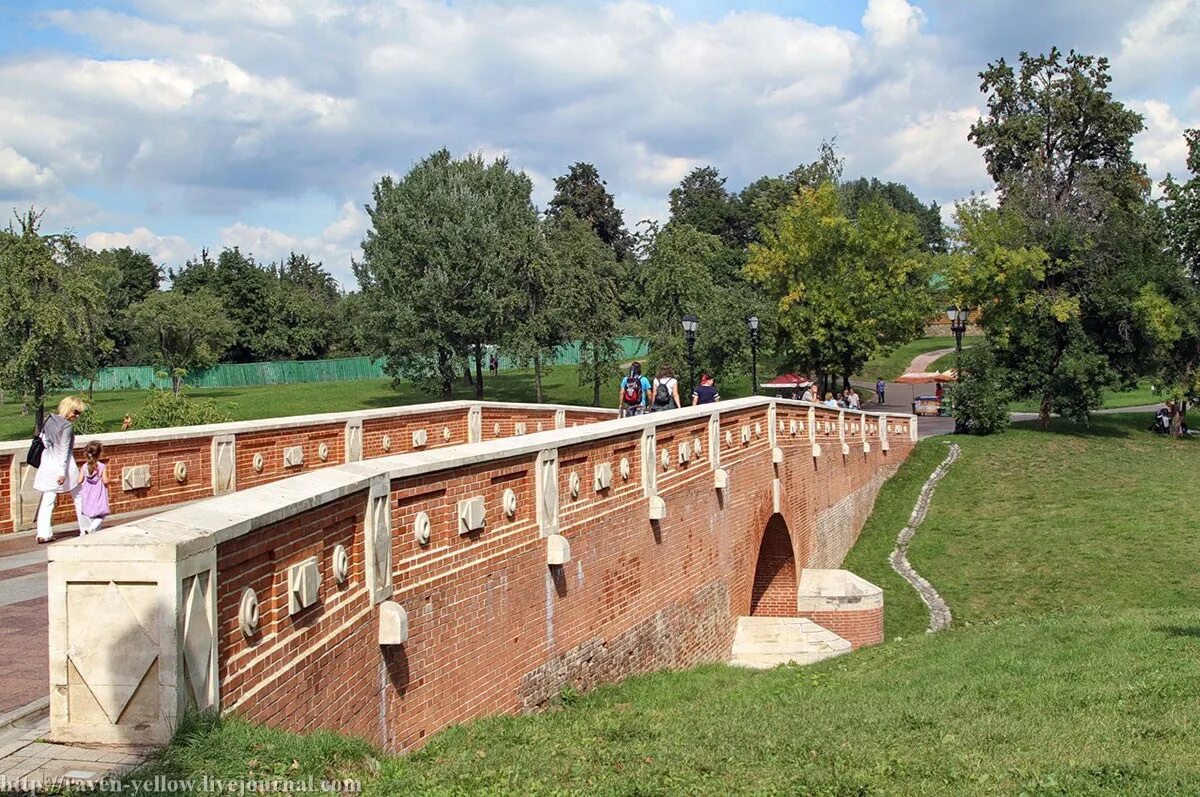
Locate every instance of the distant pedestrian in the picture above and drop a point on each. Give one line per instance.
(852, 399)
(634, 393)
(880, 386)
(127, 422)
(706, 391)
(665, 390)
(57, 472)
(493, 364)
(810, 394)
(830, 401)
(93, 489)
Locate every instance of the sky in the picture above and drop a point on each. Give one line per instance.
(173, 126)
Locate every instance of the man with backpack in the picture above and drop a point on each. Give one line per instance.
(635, 392)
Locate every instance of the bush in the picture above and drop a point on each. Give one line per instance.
(979, 400)
(163, 408)
(88, 422)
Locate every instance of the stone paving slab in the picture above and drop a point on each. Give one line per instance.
(24, 653)
(29, 764)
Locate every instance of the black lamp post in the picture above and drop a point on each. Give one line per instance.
(752, 323)
(958, 324)
(690, 325)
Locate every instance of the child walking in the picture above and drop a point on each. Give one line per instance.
(93, 491)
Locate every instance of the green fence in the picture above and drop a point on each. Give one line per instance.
(346, 369)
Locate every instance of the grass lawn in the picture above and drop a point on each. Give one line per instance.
(1068, 558)
(560, 385)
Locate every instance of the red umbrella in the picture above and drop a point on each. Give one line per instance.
(786, 382)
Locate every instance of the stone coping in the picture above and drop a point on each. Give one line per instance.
(836, 591)
(291, 421)
(179, 533)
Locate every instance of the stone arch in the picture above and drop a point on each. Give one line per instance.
(773, 593)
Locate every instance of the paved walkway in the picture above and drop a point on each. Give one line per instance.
(28, 765)
(921, 362)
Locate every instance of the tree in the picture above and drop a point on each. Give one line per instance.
(182, 331)
(592, 300)
(1060, 150)
(582, 192)
(1170, 314)
(301, 311)
(126, 277)
(541, 321)
(929, 217)
(49, 310)
(438, 264)
(675, 279)
(845, 289)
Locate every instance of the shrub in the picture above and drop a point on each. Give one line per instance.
(979, 400)
(88, 422)
(164, 408)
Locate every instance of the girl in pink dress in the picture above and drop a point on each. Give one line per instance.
(93, 491)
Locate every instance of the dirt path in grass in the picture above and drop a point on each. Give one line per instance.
(939, 610)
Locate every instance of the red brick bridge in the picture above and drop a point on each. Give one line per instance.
(388, 574)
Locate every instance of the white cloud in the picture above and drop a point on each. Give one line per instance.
(1161, 145)
(334, 246)
(933, 149)
(206, 111)
(167, 250)
(19, 175)
(892, 22)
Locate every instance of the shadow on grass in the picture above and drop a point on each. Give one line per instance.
(1112, 426)
(1181, 630)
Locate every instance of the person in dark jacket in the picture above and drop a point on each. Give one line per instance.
(706, 391)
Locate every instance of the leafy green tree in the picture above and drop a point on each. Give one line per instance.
(1059, 147)
(301, 311)
(541, 322)
(244, 291)
(592, 297)
(980, 399)
(438, 264)
(126, 277)
(49, 310)
(182, 331)
(582, 192)
(1170, 313)
(675, 279)
(845, 289)
(929, 217)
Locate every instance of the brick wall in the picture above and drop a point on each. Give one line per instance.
(493, 628)
(859, 628)
(162, 450)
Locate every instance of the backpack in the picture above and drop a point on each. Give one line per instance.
(631, 391)
(662, 394)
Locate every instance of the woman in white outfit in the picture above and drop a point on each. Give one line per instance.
(58, 472)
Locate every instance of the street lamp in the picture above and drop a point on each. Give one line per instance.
(752, 323)
(958, 324)
(690, 325)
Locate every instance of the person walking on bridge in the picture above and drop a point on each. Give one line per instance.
(57, 472)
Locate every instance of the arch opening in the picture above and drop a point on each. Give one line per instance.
(775, 576)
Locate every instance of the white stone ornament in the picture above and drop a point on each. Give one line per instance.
(816, 450)
(393, 624)
(470, 515)
(323, 452)
(509, 500)
(181, 471)
(697, 447)
(625, 469)
(386, 442)
(603, 474)
(792, 427)
(136, 477)
(496, 428)
(658, 508)
(304, 582)
(685, 453)
(248, 612)
(293, 457)
(257, 462)
(721, 479)
(728, 437)
(758, 430)
(341, 564)
(446, 433)
(745, 434)
(558, 550)
(573, 485)
(420, 438)
(665, 458)
(519, 427)
(421, 528)
(777, 456)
